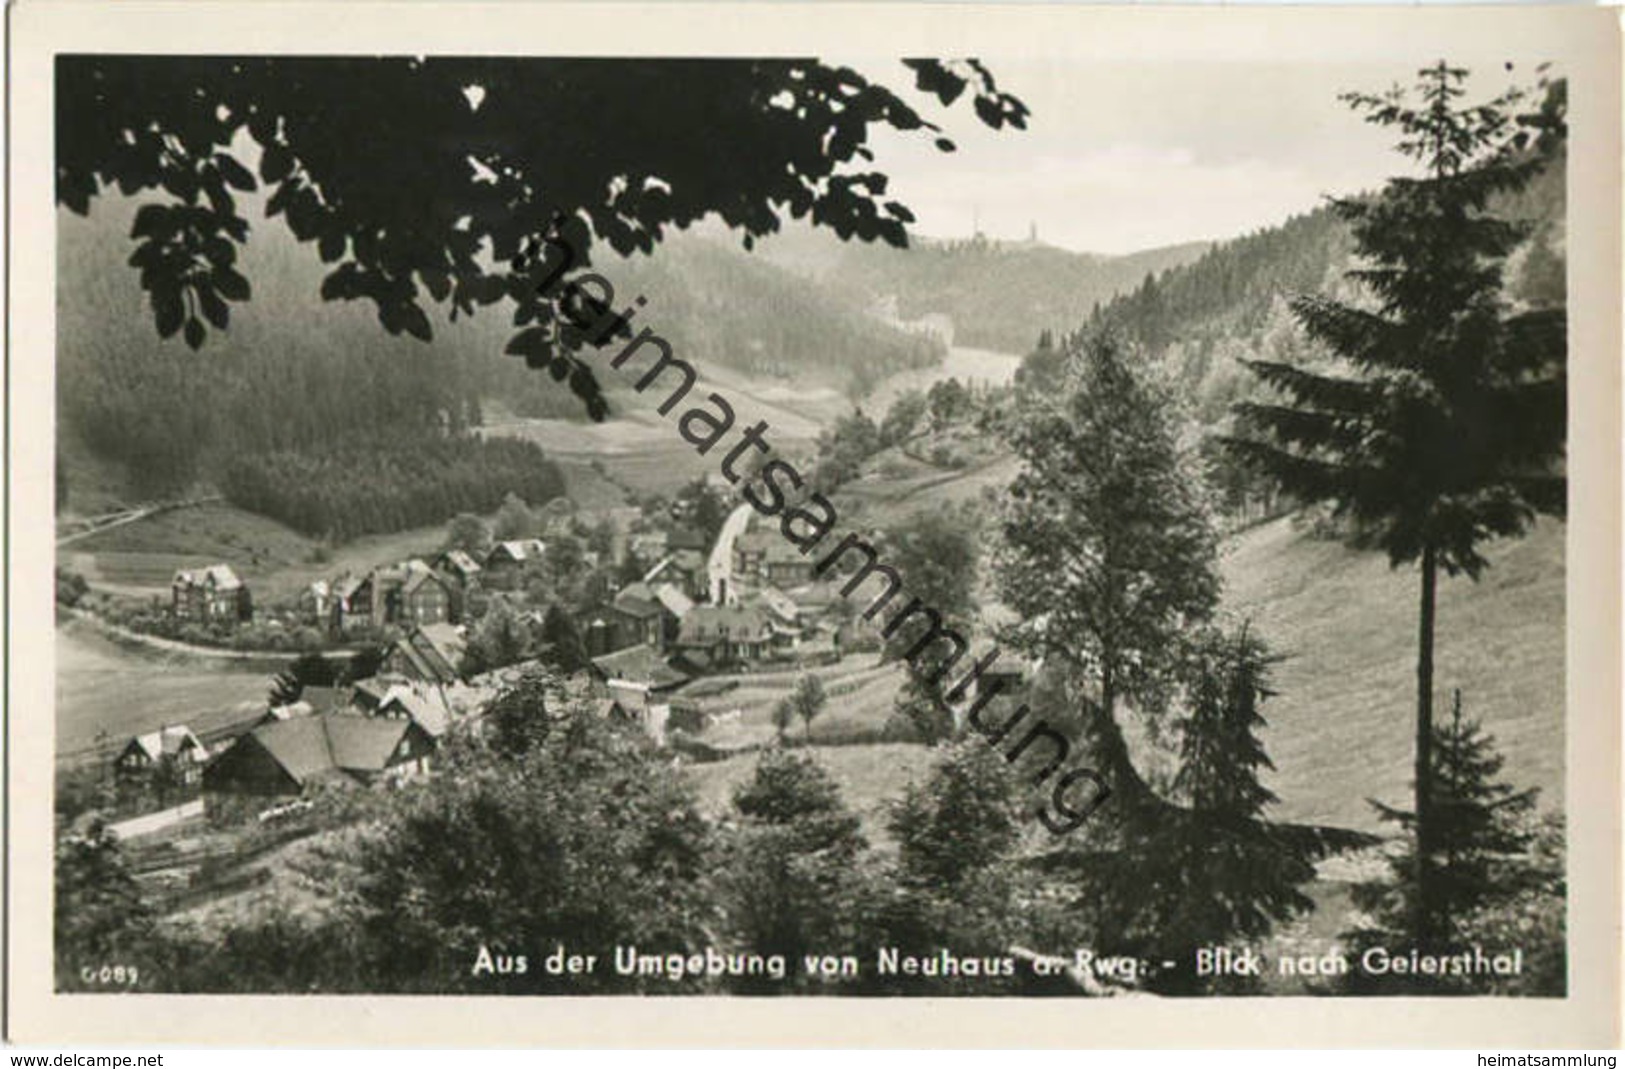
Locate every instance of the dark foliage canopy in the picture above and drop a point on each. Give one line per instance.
(421, 180)
(1449, 427)
(1109, 548)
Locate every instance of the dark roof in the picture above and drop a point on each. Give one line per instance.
(688, 538)
(299, 745)
(639, 664)
(637, 600)
(307, 747)
(361, 743)
(323, 699)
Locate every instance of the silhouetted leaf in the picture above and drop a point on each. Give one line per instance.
(169, 310)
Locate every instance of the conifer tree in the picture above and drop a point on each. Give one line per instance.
(565, 649)
(1211, 869)
(1479, 847)
(1445, 425)
(956, 882)
(791, 878)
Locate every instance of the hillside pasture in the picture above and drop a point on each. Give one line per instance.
(1341, 729)
(102, 687)
(861, 698)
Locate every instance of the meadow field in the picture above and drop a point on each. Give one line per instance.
(1341, 730)
(102, 687)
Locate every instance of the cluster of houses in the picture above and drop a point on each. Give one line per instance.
(409, 593)
(384, 728)
(754, 600)
(416, 593)
(698, 610)
(379, 731)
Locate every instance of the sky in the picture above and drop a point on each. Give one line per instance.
(1126, 156)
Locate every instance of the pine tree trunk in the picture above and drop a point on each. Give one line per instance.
(1424, 752)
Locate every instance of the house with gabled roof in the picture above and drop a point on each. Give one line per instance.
(458, 565)
(766, 556)
(672, 597)
(639, 665)
(175, 744)
(432, 653)
(635, 703)
(339, 591)
(507, 561)
(289, 756)
(716, 635)
(645, 616)
(369, 693)
(425, 707)
(400, 595)
(684, 568)
(215, 594)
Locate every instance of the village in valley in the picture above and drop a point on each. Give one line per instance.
(689, 618)
(700, 612)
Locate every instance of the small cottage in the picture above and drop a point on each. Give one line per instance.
(175, 745)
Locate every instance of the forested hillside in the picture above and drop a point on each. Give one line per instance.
(292, 373)
(306, 379)
(1204, 317)
(721, 306)
(1000, 294)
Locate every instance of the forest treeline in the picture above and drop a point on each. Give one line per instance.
(293, 383)
(1200, 319)
(347, 488)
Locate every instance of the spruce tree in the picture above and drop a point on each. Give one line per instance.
(1444, 425)
(1211, 869)
(1479, 848)
(957, 881)
(564, 649)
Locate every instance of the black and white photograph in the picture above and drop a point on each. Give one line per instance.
(991, 525)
